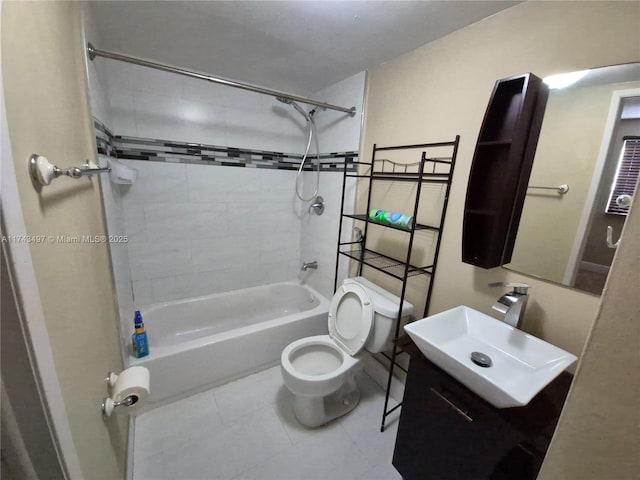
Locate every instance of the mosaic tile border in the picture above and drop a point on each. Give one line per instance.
(135, 148)
(104, 139)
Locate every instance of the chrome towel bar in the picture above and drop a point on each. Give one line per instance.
(561, 189)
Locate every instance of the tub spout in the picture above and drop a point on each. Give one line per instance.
(307, 265)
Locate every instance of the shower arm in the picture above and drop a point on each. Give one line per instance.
(94, 52)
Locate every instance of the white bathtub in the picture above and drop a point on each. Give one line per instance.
(205, 341)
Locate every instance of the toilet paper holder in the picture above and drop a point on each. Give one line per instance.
(110, 380)
(119, 398)
(109, 405)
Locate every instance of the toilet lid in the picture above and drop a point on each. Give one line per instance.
(350, 317)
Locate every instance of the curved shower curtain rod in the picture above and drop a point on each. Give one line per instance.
(94, 52)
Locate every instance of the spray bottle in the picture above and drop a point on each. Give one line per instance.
(139, 338)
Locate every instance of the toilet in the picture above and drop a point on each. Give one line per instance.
(320, 370)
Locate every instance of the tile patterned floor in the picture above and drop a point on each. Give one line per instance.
(246, 430)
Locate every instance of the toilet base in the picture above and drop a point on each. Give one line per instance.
(316, 411)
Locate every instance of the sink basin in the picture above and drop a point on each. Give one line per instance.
(521, 364)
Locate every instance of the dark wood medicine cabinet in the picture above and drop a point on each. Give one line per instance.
(500, 170)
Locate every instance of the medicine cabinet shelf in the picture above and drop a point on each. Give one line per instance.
(428, 169)
(500, 170)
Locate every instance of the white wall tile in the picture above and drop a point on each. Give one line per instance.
(224, 253)
(208, 220)
(123, 113)
(134, 223)
(195, 229)
(126, 76)
(197, 90)
(200, 122)
(281, 246)
(174, 287)
(158, 182)
(222, 184)
(278, 186)
(160, 117)
(142, 293)
(320, 233)
(159, 258)
(167, 221)
(260, 219)
(200, 283)
(263, 130)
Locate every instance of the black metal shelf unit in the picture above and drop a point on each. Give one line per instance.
(380, 169)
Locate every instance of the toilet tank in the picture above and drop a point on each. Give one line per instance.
(386, 306)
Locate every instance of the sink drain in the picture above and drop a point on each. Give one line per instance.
(481, 359)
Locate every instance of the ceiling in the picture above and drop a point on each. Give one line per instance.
(295, 46)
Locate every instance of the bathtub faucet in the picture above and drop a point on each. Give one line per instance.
(307, 265)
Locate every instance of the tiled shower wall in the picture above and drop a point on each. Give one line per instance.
(197, 229)
(319, 234)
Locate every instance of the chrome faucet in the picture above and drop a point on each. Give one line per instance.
(307, 265)
(512, 304)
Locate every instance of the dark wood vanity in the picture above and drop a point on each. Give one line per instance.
(447, 432)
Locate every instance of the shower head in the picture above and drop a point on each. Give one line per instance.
(300, 110)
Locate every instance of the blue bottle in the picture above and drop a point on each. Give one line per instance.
(139, 338)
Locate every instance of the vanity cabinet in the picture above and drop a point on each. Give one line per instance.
(447, 432)
(500, 170)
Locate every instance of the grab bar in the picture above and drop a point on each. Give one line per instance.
(561, 189)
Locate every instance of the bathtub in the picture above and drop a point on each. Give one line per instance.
(205, 341)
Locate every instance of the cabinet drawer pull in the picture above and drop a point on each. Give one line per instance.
(452, 405)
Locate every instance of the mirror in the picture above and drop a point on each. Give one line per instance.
(562, 235)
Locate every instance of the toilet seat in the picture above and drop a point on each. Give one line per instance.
(350, 317)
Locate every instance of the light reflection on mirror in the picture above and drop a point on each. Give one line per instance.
(562, 235)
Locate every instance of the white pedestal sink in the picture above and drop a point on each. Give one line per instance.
(521, 364)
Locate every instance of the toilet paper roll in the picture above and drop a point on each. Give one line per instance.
(132, 382)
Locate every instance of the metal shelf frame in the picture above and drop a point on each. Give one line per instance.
(400, 269)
